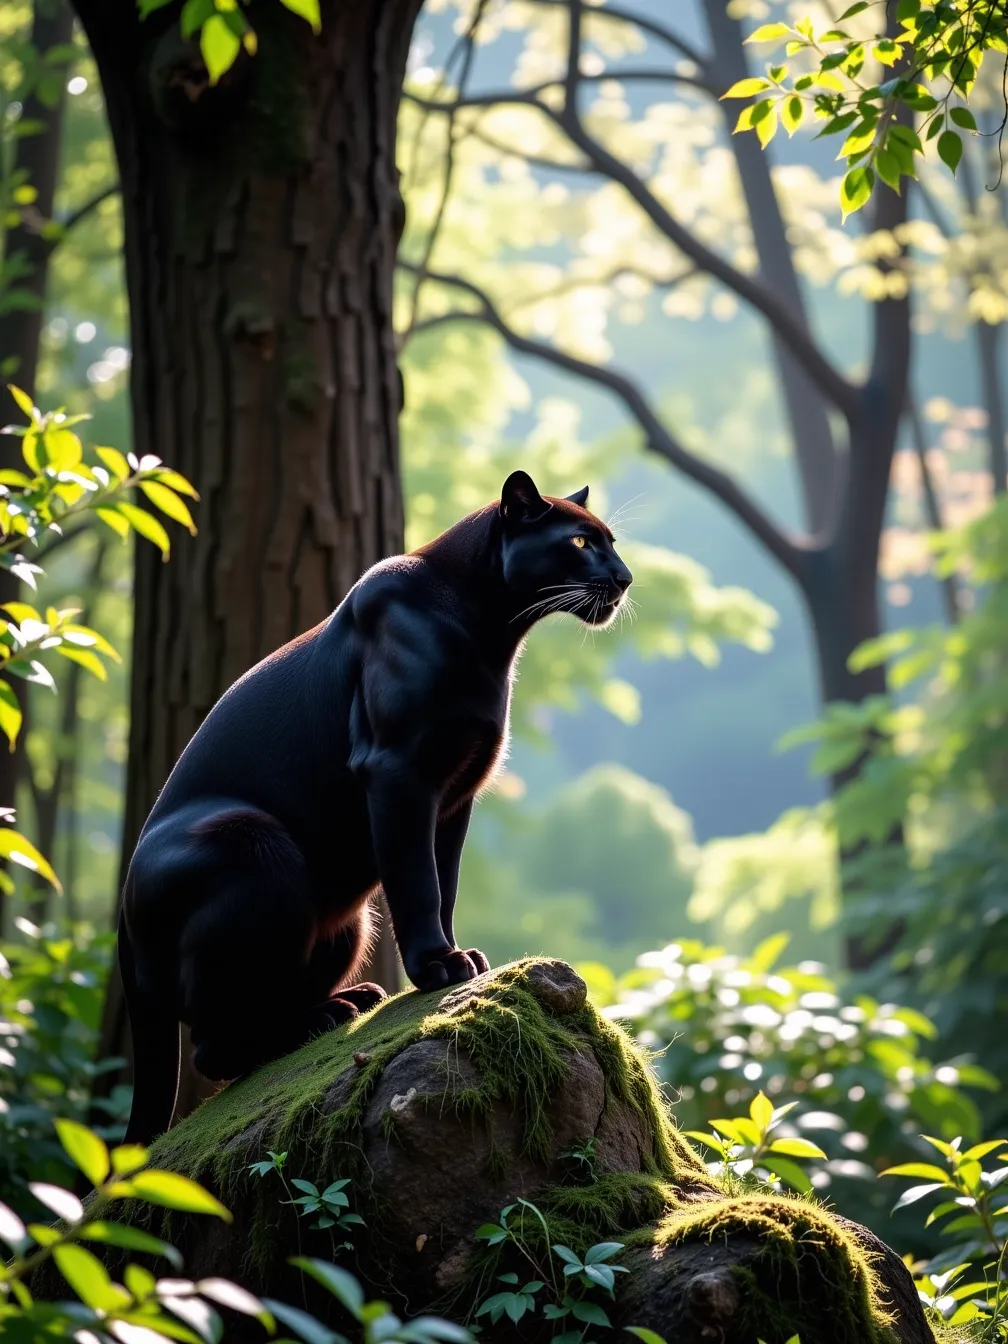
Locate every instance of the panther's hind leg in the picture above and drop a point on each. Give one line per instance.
(337, 959)
(246, 950)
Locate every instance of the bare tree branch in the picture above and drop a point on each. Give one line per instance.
(648, 74)
(81, 213)
(617, 14)
(572, 80)
(792, 329)
(469, 49)
(789, 550)
(476, 132)
(617, 273)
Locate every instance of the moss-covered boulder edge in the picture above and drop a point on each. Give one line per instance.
(443, 1107)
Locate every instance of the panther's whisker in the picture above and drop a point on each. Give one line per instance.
(622, 510)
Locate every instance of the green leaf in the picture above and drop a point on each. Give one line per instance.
(15, 847)
(235, 1298)
(796, 1148)
(343, 1286)
(113, 519)
(176, 481)
(172, 1191)
(114, 462)
(130, 1239)
(589, 1312)
(194, 15)
(787, 1170)
(12, 1229)
(950, 149)
(10, 713)
(769, 32)
(62, 448)
(766, 954)
(89, 1279)
(169, 503)
(924, 1170)
(644, 1334)
(219, 46)
(791, 112)
(128, 1157)
(761, 1112)
(602, 1250)
(854, 9)
(766, 127)
(30, 451)
(963, 117)
(888, 168)
(85, 658)
(85, 1149)
(146, 525)
(82, 636)
(856, 189)
(304, 1326)
(24, 401)
(982, 1149)
(307, 10)
(745, 88)
(917, 1192)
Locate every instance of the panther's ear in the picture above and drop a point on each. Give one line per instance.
(520, 501)
(579, 497)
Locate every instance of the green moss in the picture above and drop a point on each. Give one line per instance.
(798, 1243)
(520, 1050)
(518, 1047)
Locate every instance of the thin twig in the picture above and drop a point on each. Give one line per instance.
(449, 169)
(790, 327)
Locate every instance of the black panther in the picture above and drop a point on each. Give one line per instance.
(346, 761)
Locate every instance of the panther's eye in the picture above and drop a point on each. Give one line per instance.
(579, 542)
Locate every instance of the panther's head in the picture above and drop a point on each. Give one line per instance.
(557, 556)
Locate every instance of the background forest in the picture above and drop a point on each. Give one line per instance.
(769, 812)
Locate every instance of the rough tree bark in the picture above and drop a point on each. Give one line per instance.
(261, 223)
(21, 326)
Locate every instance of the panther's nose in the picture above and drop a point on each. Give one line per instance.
(623, 578)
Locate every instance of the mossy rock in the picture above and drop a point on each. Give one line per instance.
(441, 1108)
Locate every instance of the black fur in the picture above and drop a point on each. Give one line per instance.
(346, 760)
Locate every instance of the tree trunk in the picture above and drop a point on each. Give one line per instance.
(840, 591)
(804, 403)
(988, 341)
(21, 327)
(261, 223)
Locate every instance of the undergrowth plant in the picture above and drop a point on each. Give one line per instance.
(967, 1281)
(52, 979)
(746, 1147)
(144, 1307)
(565, 1285)
(331, 1205)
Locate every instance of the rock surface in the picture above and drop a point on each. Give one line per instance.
(444, 1109)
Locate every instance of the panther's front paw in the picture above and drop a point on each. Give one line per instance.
(478, 959)
(450, 967)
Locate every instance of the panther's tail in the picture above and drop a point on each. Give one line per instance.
(155, 1028)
